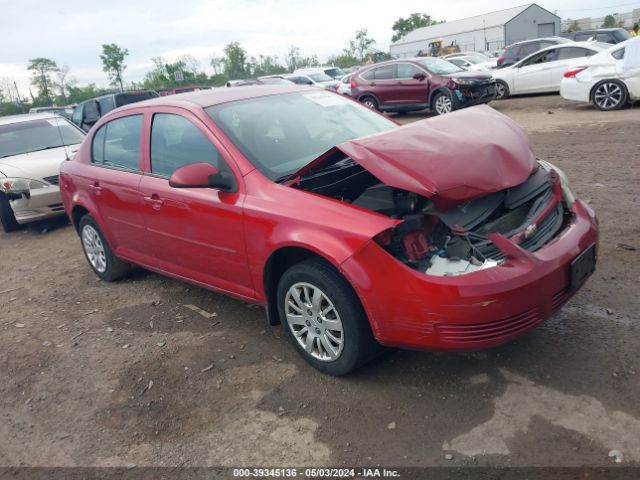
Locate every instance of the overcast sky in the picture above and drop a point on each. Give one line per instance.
(72, 31)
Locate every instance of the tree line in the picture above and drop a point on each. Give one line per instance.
(53, 84)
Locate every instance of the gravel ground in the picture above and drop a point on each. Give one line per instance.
(97, 374)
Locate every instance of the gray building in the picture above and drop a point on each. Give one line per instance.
(491, 31)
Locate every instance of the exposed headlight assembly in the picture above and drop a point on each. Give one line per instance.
(464, 81)
(569, 197)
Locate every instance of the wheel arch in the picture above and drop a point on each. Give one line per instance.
(438, 90)
(368, 94)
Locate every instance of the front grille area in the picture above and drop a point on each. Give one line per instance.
(489, 331)
(53, 180)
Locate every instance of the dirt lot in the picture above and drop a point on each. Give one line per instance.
(97, 374)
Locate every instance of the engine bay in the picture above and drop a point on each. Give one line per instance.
(455, 241)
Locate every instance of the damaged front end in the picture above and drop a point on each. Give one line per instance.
(457, 240)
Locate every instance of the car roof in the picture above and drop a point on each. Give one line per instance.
(26, 117)
(558, 39)
(592, 45)
(217, 96)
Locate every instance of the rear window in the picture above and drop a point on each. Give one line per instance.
(35, 135)
(605, 38)
(320, 77)
(334, 72)
(618, 54)
(133, 97)
(117, 143)
(621, 35)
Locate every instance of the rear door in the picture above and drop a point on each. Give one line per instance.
(565, 57)
(113, 181)
(534, 74)
(195, 233)
(384, 85)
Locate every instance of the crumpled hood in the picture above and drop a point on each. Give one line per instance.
(40, 164)
(451, 158)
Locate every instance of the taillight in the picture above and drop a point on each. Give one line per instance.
(337, 87)
(352, 83)
(573, 72)
(500, 59)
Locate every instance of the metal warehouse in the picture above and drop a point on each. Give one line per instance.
(490, 31)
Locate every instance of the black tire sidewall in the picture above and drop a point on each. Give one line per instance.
(110, 273)
(7, 217)
(376, 105)
(359, 344)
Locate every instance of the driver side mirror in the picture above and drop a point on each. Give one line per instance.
(419, 76)
(202, 175)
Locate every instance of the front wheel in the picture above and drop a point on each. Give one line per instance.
(98, 252)
(502, 90)
(442, 103)
(609, 95)
(324, 319)
(7, 217)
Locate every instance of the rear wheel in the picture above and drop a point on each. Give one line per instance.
(609, 95)
(7, 217)
(370, 102)
(442, 103)
(502, 90)
(98, 252)
(324, 319)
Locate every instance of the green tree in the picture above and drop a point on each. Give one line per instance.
(62, 83)
(235, 61)
(609, 22)
(343, 60)
(361, 44)
(41, 69)
(573, 26)
(216, 64)
(113, 63)
(402, 26)
(265, 65)
(82, 93)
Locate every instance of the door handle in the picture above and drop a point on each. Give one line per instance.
(96, 188)
(154, 200)
(373, 84)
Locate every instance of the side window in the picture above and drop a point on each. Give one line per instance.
(458, 62)
(573, 52)
(542, 57)
(527, 49)
(106, 105)
(368, 75)
(406, 70)
(387, 72)
(176, 142)
(77, 115)
(583, 37)
(618, 54)
(117, 143)
(605, 38)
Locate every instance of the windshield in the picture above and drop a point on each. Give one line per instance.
(280, 134)
(621, 35)
(439, 67)
(474, 60)
(320, 77)
(33, 135)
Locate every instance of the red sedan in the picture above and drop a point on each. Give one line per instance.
(352, 231)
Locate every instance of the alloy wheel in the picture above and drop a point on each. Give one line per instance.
(94, 249)
(500, 91)
(443, 105)
(608, 95)
(314, 321)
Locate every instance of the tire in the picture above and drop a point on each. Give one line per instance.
(442, 103)
(98, 252)
(7, 217)
(338, 306)
(369, 101)
(502, 90)
(609, 95)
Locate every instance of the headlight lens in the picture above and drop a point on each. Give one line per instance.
(464, 81)
(20, 185)
(569, 197)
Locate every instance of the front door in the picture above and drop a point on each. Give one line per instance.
(534, 73)
(196, 233)
(412, 90)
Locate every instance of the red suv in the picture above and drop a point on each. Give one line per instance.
(418, 83)
(351, 230)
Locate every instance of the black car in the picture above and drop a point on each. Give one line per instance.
(87, 113)
(517, 51)
(603, 35)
